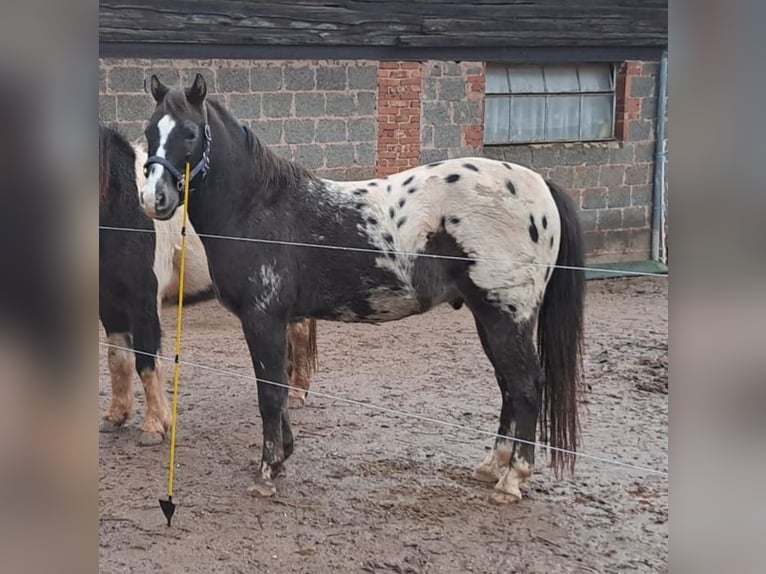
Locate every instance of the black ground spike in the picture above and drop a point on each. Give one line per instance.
(168, 508)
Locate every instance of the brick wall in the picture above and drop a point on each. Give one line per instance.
(453, 110)
(322, 114)
(399, 112)
(612, 181)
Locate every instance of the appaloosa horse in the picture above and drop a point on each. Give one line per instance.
(493, 235)
(137, 270)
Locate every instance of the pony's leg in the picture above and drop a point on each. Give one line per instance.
(147, 340)
(512, 351)
(267, 341)
(121, 364)
(490, 468)
(299, 362)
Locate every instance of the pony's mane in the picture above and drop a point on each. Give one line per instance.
(175, 102)
(269, 171)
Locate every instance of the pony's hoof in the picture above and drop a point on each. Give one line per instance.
(149, 438)
(296, 402)
(506, 497)
(107, 426)
(486, 473)
(263, 488)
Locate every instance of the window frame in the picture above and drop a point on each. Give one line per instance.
(614, 68)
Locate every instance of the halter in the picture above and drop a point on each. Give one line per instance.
(202, 167)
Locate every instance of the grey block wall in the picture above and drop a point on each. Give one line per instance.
(322, 114)
(611, 181)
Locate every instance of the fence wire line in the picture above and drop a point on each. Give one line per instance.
(395, 411)
(395, 252)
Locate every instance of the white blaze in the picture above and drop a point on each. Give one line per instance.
(149, 190)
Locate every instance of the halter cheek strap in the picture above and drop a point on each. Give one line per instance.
(202, 167)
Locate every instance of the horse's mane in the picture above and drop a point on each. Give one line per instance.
(269, 172)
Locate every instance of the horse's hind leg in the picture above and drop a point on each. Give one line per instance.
(146, 342)
(510, 347)
(121, 363)
(300, 358)
(489, 469)
(266, 339)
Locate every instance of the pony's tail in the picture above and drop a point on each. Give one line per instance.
(559, 338)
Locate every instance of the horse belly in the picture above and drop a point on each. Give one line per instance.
(388, 305)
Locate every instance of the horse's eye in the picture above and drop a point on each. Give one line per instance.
(190, 135)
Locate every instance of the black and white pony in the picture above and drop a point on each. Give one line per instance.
(138, 271)
(513, 225)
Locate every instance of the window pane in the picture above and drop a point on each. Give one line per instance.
(561, 79)
(526, 79)
(496, 119)
(528, 118)
(562, 120)
(597, 117)
(497, 80)
(595, 77)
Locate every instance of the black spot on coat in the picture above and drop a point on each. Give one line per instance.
(359, 192)
(412, 190)
(408, 180)
(372, 221)
(388, 238)
(388, 189)
(511, 187)
(454, 220)
(391, 212)
(452, 178)
(470, 166)
(434, 164)
(401, 202)
(545, 222)
(533, 233)
(508, 165)
(401, 222)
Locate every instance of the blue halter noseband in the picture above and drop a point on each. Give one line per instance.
(202, 167)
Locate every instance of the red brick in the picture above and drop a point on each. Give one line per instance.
(633, 68)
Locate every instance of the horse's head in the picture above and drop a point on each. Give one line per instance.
(178, 132)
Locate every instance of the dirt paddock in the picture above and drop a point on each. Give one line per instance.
(368, 491)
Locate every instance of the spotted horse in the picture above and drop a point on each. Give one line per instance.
(138, 271)
(492, 235)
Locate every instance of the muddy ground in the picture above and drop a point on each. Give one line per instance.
(368, 491)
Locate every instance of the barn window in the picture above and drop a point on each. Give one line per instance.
(549, 103)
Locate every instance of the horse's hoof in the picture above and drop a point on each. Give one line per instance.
(264, 488)
(488, 470)
(485, 473)
(109, 426)
(296, 402)
(149, 438)
(506, 497)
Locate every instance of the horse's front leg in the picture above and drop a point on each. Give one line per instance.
(267, 343)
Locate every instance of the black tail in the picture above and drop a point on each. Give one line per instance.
(190, 299)
(559, 338)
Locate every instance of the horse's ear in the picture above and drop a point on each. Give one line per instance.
(196, 94)
(158, 89)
